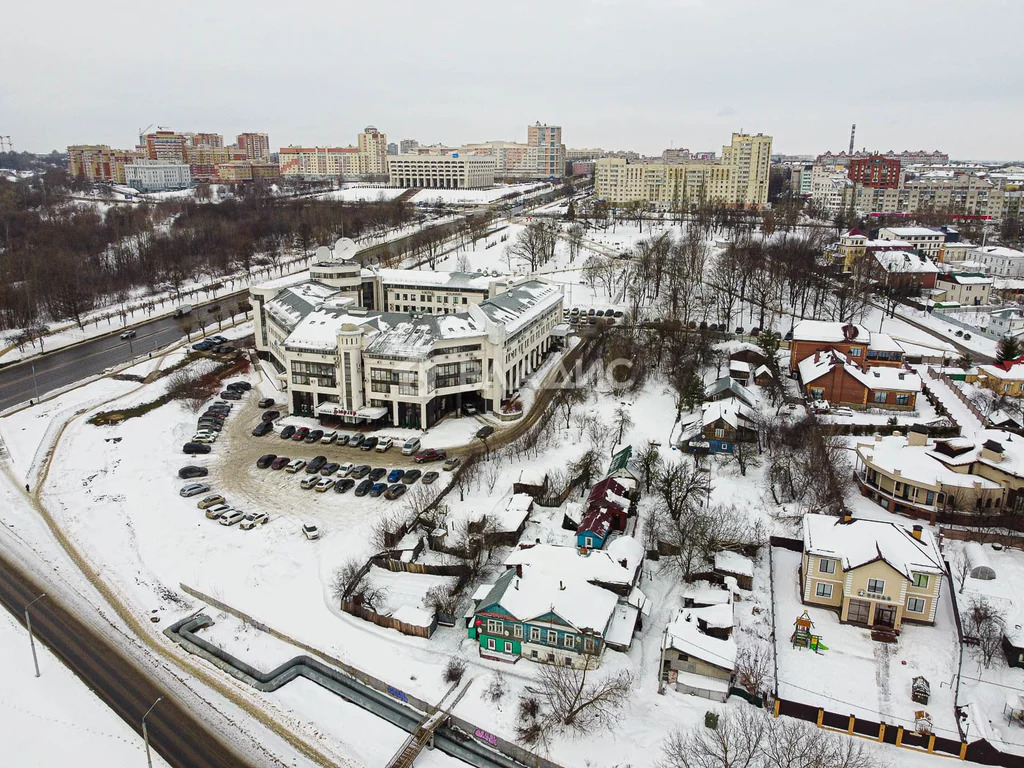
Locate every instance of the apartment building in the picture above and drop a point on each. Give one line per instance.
(454, 171)
(255, 145)
(739, 178)
(964, 288)
(319, 162)
(875, 171)
(166, 145)
(906, 157)
(205, 139)
(157, 176)
(99, 163)
(408, 146)
(245, 170)
(373, 152)
(204, 159)
(546, 151)
(344, 362)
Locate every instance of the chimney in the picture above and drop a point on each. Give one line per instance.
(561, 586)
(916, 533)
(847, 517)
(519, 573)
(917, 435)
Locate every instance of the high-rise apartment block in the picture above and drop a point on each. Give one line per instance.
(319, 162)
(875, 171)
(739, 178)
(547, 152)
(203, 160)
(407, 146)
(99, 163)
(165, 145)
(207, 140)
(255, 145)
(373, 151)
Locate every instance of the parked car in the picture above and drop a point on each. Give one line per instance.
(193, 489)
(314, 436)
(244, 385)
(468, 409)
(485, 431)
(270, 415)
(190, 471)
(295, 465)
(193, 448)
(209, 423)
(345, 484)
(202, 346)
(232, 517)
(254, 520)
(377, 473)
(288, 431)
(210, 501)
(204, 437)
(411, 446)
(311, 531)
(329, 468)
(214, 414)
(300, 434)
(369, 444)
(265, 402)
(325, 484)
(378, 489)
(266, 460)
(360, 472)
(309, 482)
(395, 475)
(364, 487)
(344, 469)
(329, 437)
(129, 334)
(217, 510)
(263, 428)
(355, 439)
(384, 443)
(430, 454)
(451, 464)
(316, 464)
(618, 313)
(280, 462)
(395, 491)
(342, 438)
(429, 477)
(230, 394)
(411, 476)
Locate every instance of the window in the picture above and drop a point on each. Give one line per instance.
(517, 631)
(588, 644)
(902, 399)
(508, 647)
(490, 643)
(552, 637)
(915, 605)
(495, 627)
(823, 590)
(535, 634)
(921, 580)
(855, 351)
(817, 393)
(880, 397)
(589, 541)
(826, 566)
(569, 641)
(568, 661)
(719, 433)
(876, 586)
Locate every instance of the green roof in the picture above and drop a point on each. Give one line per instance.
(621, 460)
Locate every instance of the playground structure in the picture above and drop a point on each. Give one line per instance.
(804, 637)
(922, 722)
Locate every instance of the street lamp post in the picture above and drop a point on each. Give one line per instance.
(35, 384)
(145, 731)
(28, 626)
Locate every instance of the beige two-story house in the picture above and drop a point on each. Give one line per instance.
(874, 573)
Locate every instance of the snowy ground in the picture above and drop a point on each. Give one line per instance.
(435, 196)
(55, 719)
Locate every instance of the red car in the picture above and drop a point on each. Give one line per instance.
(280, 462)
(300, 434)
(430, 454)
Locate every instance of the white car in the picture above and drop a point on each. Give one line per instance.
(311, 531)
(324, 485)
(204, 437)
(193, 489)
(310, 481)
(411, 446)
(345, 469)
(342, 438)
(295, 465)
(384, 444)
(232, 517)
(254, 520)
(329, 437)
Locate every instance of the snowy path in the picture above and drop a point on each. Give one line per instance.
(970, 426)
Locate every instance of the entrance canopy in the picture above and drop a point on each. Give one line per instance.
(335, 410)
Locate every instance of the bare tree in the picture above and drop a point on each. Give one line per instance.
(744, 455)
(984, 624)
(578, 698)
(566, 399)
(961, 570)
(753, 666)
(345, 577)
(621, 422)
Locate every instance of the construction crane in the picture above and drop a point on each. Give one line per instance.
(142, 132)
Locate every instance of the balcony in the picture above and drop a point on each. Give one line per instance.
(904, 501)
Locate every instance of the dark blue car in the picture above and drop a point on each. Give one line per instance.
(395, 475)
(378, 489)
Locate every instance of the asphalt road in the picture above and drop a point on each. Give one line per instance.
(174, 731)
(19, 383)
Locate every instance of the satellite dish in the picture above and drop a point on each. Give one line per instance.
(345, 249)
(323, 253)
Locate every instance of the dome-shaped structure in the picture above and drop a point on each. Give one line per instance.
(978, 560)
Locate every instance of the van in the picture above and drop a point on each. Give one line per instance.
(411, 446)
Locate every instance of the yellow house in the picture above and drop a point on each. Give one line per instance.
(1007, 379)
(874, 573)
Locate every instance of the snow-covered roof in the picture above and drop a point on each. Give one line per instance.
(510, 513)
(684, 635)
(966, 278)
(883, 342)
(813, 367)
(912, 232)
(706, 593)
(1014, 372)
(319, 329)
(567, 563)
(734, 562)
(421, 278)
(905, 262)
(1001, 251)
(521, 304)
(626, 549)
(294, 302)
(536, 593)
(729, 384)
(763, 370)
(732, 412)
(827, 331)
(413, 336)
(1011, 447)
(534, 477)
(917, 463)
(739, 365)
(859, 542)
(621, 627)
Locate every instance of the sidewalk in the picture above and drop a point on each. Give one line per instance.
(970, 426)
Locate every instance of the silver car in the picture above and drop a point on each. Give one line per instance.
(193, 489)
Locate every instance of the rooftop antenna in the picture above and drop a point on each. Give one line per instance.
(853, 132)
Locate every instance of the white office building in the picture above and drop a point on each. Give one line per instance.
(157, 175)
(1000, 261)
(451, 171)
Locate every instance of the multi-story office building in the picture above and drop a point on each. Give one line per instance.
(739, 178)
(373, 151)
(255, 145)
(99, 163)
(392, 148)
(165, 145)
(875, 171)
(157, 176)
(454, 171)
(924, 240)
(547, 152)
(343, 361)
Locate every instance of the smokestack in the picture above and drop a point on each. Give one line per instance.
(853, 131)
(918, 530)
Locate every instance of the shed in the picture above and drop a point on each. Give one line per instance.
(531, 481)
(736, 565)
(979, 562)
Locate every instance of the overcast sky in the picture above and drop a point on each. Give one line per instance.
(622, 74)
